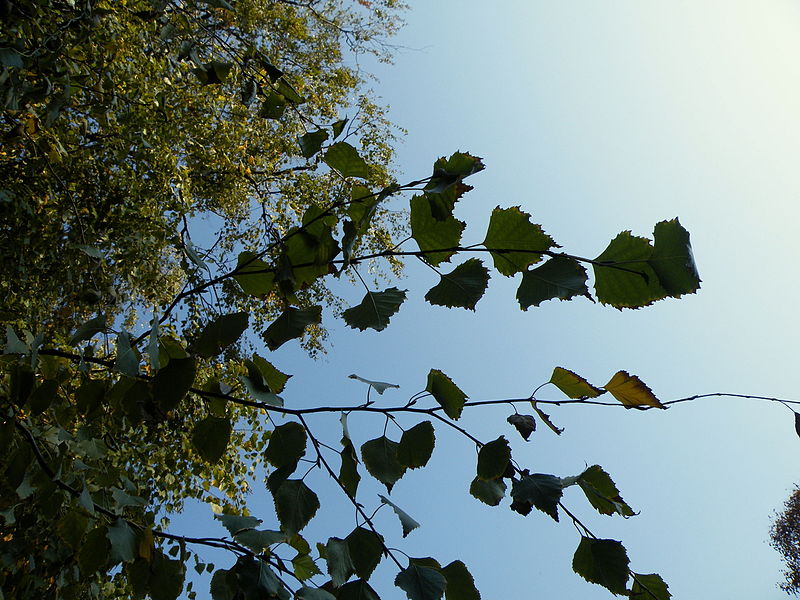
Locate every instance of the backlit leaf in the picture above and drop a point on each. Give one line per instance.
(87, 330)
(649, 587)
(446, 393)
(540, 490)
(210, 438)
(510, 229)
(290, 325)
(304, 567)
(460, 584)
(434, 234)
(253, 275)
(172, 383)
(632, 391)
(632, 282)
(421, 583)
(573, 385)
(311, 142)
(308, 593)
(493, 459)
(525, 424)
(220, 333)
(356, 590)
(406, 521)
(375, 309)
(340, 566)
(546, 419)
(462, 287)
(287, 444)
(166, 578)
(124, 545)
(672, 259)
(560, 277)
(380, 458)
(604, 562)
(366, 550)
(489, 492)
(296, 504)
(127, 360)
(602, 493)
(345, 159)
(416, 445)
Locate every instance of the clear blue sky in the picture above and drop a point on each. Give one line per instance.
(598, 117)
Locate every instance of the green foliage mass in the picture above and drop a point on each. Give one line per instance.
(124, 388)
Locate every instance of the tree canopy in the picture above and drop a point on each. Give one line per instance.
(129, 383)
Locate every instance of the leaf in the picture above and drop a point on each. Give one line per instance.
(311, 142)
(338, 127)
(493, 459)
(291, 324)
(546, 419)
(460, 583)
(380, 458)
(560, 277)
(511, 229)
(249, 91)
(604, 562)
(797, 423)
(127, 361)
(539, 490)
(649, 587)
(340, 566)
(220, 333)
(213, 72)
(236, 524)
(631, 391)
(253, 275)
(256, 383)
(295, 504)
(342, 157)
(462, 287)
(525, 424)
(273, 106)
(14, 345)
(124, 545)
(375, 309)
(258, 541)
(11, 58)
(378, 386)
(166, 579)
(602, 493)
(274, 378)
(489, 492)
(287, 444)
(672, 259)
(634, 284)
(366, 550)
(573, 385)
(357, 590)
(406, 521)
(304, 567)
(416, 445)
(307, 593)
(85, 500)
(449, 172)
(434, 234)
(152, 345)
(210, 438)
(446, 393)
(421, 583)
(172, 383)
(93, 555)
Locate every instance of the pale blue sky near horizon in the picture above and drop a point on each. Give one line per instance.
(597, 117)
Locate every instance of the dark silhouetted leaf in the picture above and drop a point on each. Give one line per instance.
(649, 587)
(295, 505)
(493, 459)
(462, 287)
(273, 106)
(253, 275)
(525, 424)
(573, 385)
(631, 391)
(338, 127)
(172, 383)
(406, 521)
(797, 423)
(307, 593)
(345, 159)
(290, 325)
(460, 584)
(127, 361)
(95, 551)
(604, 562)
(635, 286)
(357, 590)
(220, 333)
(210, 438)
(421, 583)
(511, 229)
(489, 492)
(602, 493)
(539, 490)
(311, 142)
(446, 393)
(366, 550)
(166, 578)
(375, 309)
(124, 544)
(416, 445)
(380, 458)
(86, 331)
(340, 566)
(287, 444)
(560, 277)
(672, 259)
(434, 234)
(546, 419)
(449, 172)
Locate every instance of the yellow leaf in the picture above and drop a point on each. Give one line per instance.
(146, 544)
(632, 391)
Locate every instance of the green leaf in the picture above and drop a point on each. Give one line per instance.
(249, 91)
(152, 345)
(220, 333)
(127, 360)
(493, 459)
(539, 490)
(210, 438)
(85, 500)
(71, 528)
(489, 492)
(434, 234)
(287, 444)
(348, 472)
(88, 329)
(649, 587)
(378, 386)
(345, 159)
(94, 553)
(124, 544)
(273, 107)
(524, 424)
(166, 579)
(213, 72)
(380, 458)
(573, 385)
(366, 550)
(406, 521)
(672, 259)
(42, 397)
(295, 504)
(304, 567)
(172, 383)
(446, 393)
(274, 378)
(510, 229)
(421, 583)
(602, 493)
(286, 90)
(546, 419)
(236, 524)
(253, 275)
(11, 58)
(340, 566)
(338, 127)
(88, 396)
(14, 345)
(256, 383)
(560, 277)
(632, 391)
(416, 445)
(259, 540)
(375, 309)
(311, 142)
(290, 325)
(460, 584)
(307, 593)
(462, 287)
(604, 562)
(448, 172)
(632, 283)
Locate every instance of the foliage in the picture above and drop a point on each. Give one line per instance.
(785, 538)
(133, 121)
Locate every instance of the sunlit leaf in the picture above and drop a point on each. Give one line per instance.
(573, 385)
(510, 230)
(253, 275)
(345, 159)
(462, 287)
(434, 234)
(304, 567)
(629, 281)
(446, 393)
(375, 309)
(604, 562)
(546, 419)
(632, 391)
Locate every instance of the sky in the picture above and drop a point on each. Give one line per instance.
(597, 117)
